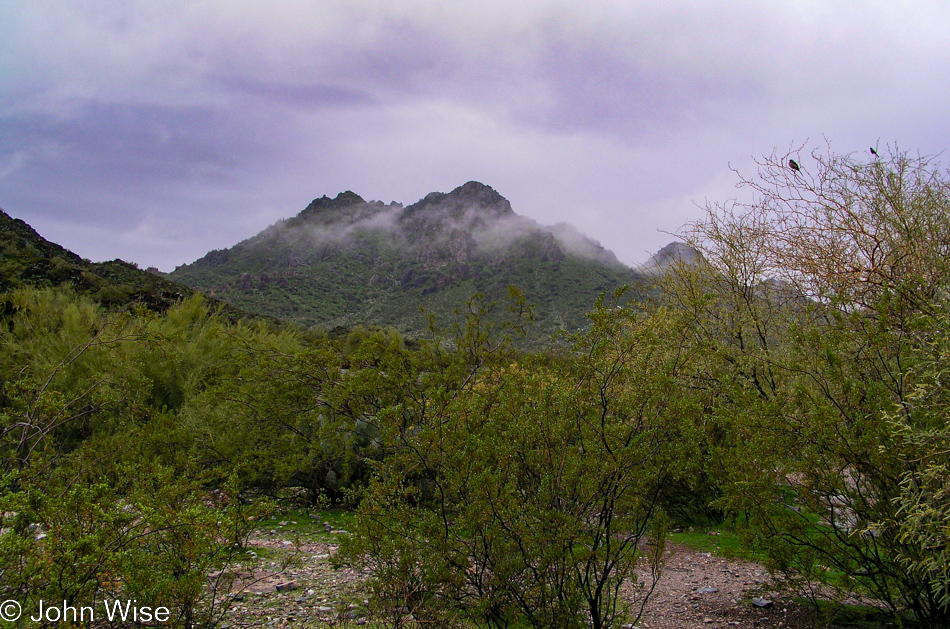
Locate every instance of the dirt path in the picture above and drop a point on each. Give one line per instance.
(708, 591)
(697, 590)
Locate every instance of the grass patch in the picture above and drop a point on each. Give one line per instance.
(859, 616)
(720, 540)
(310, 524)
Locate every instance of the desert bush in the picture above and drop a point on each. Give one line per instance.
(94, 506)
(816, 303)
(527, 493)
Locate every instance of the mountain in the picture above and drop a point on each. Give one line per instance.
(346, 261)
(673, 253)
(28, 259)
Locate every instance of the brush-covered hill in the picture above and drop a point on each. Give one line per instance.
(346, 262)
(28, 259)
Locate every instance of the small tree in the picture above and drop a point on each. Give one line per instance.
(816, 302)
(530, 488)
(92, 503)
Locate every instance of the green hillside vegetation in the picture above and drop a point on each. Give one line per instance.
(28, 259)
(788, 383)
(346, 262)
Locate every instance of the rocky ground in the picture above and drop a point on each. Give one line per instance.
(704, 590)
(289, 581)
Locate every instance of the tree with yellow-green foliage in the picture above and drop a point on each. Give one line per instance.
(98, 497)
(528, 489)
(818, 303)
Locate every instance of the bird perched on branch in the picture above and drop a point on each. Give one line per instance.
(873, 152)
(794, 165)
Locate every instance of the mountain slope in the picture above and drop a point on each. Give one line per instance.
(672, 254)
(28, 259)
(346, 261)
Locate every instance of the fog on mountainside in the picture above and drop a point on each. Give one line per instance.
(346, 261)
(473, 209)
(673, 253)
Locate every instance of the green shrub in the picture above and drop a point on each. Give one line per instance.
(817, 304)
(527, 493)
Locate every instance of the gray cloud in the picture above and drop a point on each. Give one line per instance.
(158, 131)
(297, 95)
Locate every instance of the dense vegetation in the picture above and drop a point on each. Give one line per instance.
(823, 306)
(789, 382)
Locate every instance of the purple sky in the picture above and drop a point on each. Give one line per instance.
(155, 131)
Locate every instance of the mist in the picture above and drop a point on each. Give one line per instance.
(491, 231)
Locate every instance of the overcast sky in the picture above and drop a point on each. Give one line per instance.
(157, 130)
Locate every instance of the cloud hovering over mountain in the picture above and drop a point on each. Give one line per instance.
(473, 211)
(158, 131)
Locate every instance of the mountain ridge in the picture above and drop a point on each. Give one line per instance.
(28, 259)
(347, 261)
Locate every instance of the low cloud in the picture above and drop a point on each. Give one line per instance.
(201, 122)
(489, 233)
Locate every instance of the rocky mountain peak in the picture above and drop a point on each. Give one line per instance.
(342, 200)
(326, 210)
(345, 261)
(470, 207)
(479, 195)
(472, 197)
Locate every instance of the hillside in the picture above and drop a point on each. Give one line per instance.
(28, 259)
(346, 261)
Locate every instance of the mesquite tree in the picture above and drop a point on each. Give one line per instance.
(532, 485)
(818, 302)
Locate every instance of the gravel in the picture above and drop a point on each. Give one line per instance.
(292, 583)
